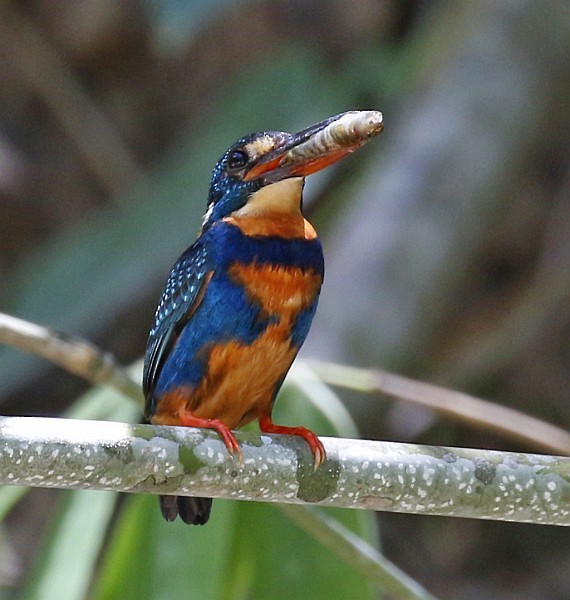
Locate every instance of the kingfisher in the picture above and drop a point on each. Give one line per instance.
(238, 303)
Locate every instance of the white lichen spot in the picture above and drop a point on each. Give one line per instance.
(551, 485)
(422, 493)
(547, 496)
(412, 470)
(401, 479)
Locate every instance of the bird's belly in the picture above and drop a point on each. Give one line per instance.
(242, 371)
(241, 380)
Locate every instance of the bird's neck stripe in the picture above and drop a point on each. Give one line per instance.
(276, 225)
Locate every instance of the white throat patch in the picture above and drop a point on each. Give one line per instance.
(281, 197)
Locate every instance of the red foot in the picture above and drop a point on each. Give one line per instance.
(316, 446)
(187, 419)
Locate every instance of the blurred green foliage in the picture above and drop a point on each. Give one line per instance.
(447, 246)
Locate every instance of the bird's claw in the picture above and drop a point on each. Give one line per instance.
(315, 444)
(187, 419)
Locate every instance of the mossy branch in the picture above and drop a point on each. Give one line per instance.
(61, 453)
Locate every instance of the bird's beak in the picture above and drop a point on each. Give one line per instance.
(301, 154)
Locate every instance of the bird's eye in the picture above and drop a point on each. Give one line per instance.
(237, 159)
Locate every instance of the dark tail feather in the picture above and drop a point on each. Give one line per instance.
(194, 511)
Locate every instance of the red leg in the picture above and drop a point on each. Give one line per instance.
(187, 419)
(316, 446)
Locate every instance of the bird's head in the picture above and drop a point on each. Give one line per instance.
(264, 172)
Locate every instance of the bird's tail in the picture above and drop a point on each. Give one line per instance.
(194, 511)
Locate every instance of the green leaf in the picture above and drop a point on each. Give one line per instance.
(149, 558)
(70, 552)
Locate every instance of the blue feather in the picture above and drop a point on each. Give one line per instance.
(225, 312)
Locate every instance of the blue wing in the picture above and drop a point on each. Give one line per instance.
(181, 297)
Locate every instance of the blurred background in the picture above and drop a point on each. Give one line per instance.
(447, 239)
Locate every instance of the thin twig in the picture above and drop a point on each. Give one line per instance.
(76, 356)
(507, 421)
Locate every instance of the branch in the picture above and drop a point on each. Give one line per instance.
(60, 453)
(457, 405)
(73, 354)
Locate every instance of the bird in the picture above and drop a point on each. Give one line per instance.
(239, 302)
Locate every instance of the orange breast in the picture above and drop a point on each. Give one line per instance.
(271, 224)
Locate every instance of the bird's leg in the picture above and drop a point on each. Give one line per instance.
(266, 425)
(187, 419)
